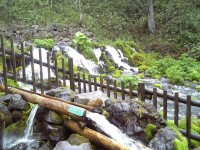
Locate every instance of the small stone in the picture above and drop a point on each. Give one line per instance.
(108, 102)
(98, 110)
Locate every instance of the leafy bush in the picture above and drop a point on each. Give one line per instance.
(153, 72)
(127, 79)
(44, 43)
(175, 75)
(117, 74)
(149, 131)
(84, 45)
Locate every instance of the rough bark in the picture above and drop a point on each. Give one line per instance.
(151, 22)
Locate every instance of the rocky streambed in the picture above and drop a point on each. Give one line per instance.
(139, 120)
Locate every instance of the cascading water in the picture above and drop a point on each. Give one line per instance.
(28, 131)
(79, 60)
(111, 130)
(30, 121)
(117, 56)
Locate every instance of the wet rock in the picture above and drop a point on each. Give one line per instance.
(6, 98)
(108, 102)
(164, 139)
(98, 110)
(55, 133)
(132, 116)
(85, 98)
(16, 102)
(76, 139)
(6, 113)
(64, 145)
(17, 115)
(46, 146)
(62, 92)
(44, 114)
(198, 116)
(20, 146)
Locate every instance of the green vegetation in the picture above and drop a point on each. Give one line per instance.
(195, 128)
(44, 43)
(117, 73)
(157, 85)
(198, 88)
(84, 46)
(12, 83)
(127, 79)
(149, 131)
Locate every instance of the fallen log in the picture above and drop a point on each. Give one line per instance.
(75, 112)
(90, 108)
(94, 136)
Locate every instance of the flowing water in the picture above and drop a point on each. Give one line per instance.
(28, 131)
(112, 131)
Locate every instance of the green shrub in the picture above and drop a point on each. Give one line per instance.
(195, 127)
(127, 80)
(84, 46)
(198, 88)
(142, 68)
(175, 75)
(153, 72)
(44, 43)
(117, 74)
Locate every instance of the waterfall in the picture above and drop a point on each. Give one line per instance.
(81, 61)
(118, 57)
(30, 121)
(111, 130)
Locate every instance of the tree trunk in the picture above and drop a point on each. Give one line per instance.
(151, 22)
(95, 137)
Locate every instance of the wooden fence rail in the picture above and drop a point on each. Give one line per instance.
(87, 83)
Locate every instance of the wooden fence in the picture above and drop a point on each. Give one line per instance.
(86, 83)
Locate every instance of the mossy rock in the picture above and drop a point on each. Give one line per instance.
(15, 130)
(117, 73)
(157, 85)
(150, 130)
(198, 88)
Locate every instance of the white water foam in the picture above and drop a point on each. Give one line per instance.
(116, 134)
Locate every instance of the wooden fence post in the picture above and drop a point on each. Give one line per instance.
(23, 62)
(141, 91)
(4, 65)
(41, 72)
(188, 120)
(1, 131)
(165, 104)
(176, 109)
(108, 87)
(123, 90)
(71, 74)
(49, 72)
(13, 59)
(155, 98)
(115, 89)
(32, 68)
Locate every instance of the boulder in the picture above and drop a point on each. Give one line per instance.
(62, 92)
(64, 145)
(132, 116)
(76, 139)
(6, 98)
(55, 133)
(20, 146)
(17, 115)
(6, 113)
(168, 139)
(96, 98)
(198, 115)
(17, 103)
(44, 114)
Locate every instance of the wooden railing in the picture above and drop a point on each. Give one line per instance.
(88, 83)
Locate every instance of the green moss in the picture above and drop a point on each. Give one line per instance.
(109, 63)
(149, 131)
(187, 84)
(157, 85)
(44, 43)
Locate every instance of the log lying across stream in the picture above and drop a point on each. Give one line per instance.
(64, 107)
